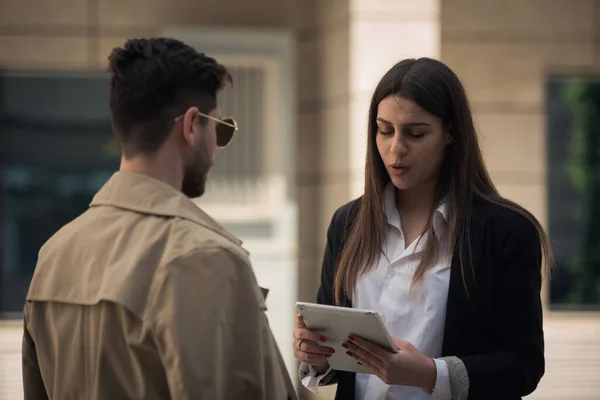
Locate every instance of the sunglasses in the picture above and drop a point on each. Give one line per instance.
(226, 127)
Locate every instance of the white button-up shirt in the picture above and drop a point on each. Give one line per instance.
(415, 314)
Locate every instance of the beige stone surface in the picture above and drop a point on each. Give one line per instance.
(105, 47)
(309, 267)
(206, 13)
(331, 13)
(572, 357)
(532, 197)
(359, 117)
(309, 76)
(513, 142)
(43, 53)
(410, 9)
(116, 39)
(310, 233)
(376, 46)
(539, 19)
(45, 13)
(512, 74)
(323, 67)
(334, 57)
(334, 139)
(301, 15)
(334, 193)
(309, 147)
(597, 36)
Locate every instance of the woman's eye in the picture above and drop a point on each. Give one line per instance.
(416, 135)
(386, 132)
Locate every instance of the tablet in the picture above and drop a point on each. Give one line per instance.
(337, 323)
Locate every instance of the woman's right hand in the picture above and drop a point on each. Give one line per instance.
(307, 348)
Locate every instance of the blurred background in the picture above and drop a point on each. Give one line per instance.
(304, 72)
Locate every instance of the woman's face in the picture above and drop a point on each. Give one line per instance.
(411, 142)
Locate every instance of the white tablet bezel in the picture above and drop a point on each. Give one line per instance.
(337, 323)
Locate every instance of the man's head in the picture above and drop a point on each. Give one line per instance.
(159, 91)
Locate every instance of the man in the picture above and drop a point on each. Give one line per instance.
(144, 296)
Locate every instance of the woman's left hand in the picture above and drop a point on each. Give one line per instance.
(407, 367)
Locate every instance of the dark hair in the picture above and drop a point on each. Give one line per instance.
(153, 81)
(464, 177)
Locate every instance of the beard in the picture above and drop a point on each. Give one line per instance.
(195, 175)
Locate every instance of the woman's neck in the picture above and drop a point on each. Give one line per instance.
(415, 207)
(416, 201)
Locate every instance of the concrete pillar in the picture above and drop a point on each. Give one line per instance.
(383, 32)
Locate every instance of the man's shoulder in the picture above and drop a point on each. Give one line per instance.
(210, 254)
(207, 266)
(195, 241)
(64, 236)
(197, 246)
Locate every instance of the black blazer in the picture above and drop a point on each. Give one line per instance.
(495, 329)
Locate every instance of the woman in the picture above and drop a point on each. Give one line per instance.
(453, 268)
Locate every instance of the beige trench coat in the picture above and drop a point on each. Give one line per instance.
(144, 296)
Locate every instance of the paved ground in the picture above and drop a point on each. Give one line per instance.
(572, 359)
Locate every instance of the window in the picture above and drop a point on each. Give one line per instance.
(573, 151)
(238, 176)
(56, 151)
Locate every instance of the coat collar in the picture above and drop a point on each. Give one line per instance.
(143, 194)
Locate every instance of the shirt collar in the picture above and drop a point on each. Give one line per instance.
(143, 194)
(440, 217)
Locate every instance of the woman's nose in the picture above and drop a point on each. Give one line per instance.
(398, 145)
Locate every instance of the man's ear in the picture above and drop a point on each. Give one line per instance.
(190, 125)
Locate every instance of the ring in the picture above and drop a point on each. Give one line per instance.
(299, 344)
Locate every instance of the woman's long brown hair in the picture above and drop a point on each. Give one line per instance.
(463, 176)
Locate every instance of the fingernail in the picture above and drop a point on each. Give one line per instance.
(358, 362)
(323, 339)
(345, 345)
(332, 351)
(351, 337)
(328, 355)
(351, 354)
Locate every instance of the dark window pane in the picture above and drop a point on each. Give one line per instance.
(573, 146)
(56, 150)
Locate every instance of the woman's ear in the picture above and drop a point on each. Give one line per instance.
(449, 137)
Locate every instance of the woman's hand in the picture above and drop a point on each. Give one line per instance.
(407, 367)
(307, 348)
